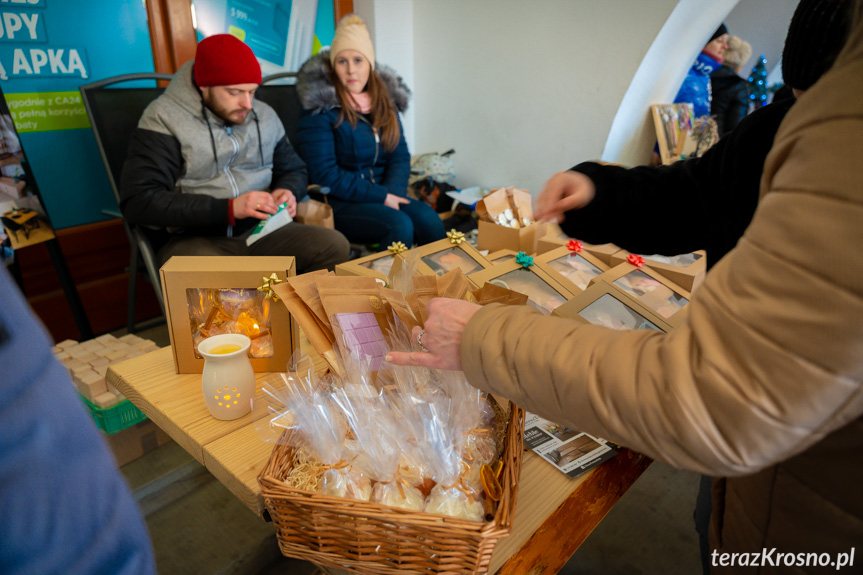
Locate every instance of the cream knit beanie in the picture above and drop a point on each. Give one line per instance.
(738, 52)
(352, 34)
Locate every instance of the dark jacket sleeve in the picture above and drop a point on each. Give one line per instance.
(644, 210)
(398, 167)
(147, 195)
(289, 170)
(738, 107)
(317, 147)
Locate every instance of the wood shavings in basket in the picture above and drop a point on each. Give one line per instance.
(304, 472)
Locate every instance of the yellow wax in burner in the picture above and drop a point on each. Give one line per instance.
(225, 348)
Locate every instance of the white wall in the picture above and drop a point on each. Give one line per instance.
(524, 89)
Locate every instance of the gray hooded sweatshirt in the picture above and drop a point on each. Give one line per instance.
(185, 163)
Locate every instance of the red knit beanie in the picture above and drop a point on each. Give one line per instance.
(224, 60)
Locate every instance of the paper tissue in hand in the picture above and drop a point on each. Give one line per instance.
(271, 224)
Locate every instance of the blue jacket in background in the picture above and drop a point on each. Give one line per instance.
(696, 86)
(64, 507)
(350, 161)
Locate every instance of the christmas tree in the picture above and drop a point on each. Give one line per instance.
(758, 89)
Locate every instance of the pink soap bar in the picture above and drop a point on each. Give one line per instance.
(363, 336)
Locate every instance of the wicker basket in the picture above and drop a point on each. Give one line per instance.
(366, 537)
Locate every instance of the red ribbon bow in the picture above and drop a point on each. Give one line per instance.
(635, 260)
(575, 246)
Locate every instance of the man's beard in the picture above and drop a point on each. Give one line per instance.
(224, 114)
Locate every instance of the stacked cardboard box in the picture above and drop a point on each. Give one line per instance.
(88, 362)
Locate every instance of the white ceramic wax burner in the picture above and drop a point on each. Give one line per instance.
(228, 380)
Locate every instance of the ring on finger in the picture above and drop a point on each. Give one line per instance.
(420, 340)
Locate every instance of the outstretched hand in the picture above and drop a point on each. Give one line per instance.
(447, 319)
(564, 191)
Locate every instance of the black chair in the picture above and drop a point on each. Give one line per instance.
(114, 113)
(280, 92)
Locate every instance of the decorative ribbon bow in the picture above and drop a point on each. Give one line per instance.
(635, 260)
(397, 248)
(524, 260)
(267, 286)
(574, 246)
(455, 237)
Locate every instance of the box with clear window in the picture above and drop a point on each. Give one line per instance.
(207, 296)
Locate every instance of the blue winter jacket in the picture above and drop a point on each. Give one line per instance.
(696, 86)
(350, 161)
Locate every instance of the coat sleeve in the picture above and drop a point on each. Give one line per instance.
(317, 146)
(147, 195)
(768, 362)
(289, 171)
(646, 210)
(398, 167)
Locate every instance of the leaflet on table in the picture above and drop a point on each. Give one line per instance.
(572, 452)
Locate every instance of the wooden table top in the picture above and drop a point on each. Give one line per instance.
(553, 516)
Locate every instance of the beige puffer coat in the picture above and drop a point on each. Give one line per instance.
(764, 384)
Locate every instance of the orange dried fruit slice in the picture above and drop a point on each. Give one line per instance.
(498, 470)
(490, 484)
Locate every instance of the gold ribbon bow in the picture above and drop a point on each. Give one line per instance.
(456, 237)
(267, 286)
(397, 248)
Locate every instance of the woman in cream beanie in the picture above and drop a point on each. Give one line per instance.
(730, 103)
(352, 141)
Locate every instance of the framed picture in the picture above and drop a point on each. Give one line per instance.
(686, 270)
(650, 288)
(543, 291)
(575, 270)
(442, 256)
(605, 305)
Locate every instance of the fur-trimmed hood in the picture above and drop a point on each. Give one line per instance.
(318, 94)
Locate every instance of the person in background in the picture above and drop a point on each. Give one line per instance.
(65, 508)
(209, 162)
(763, 386)
(352, 141)
(730, 92)
(695, 89)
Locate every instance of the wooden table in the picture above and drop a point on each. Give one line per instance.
(554, 514)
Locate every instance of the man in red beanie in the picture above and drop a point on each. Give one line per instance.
(208, 163)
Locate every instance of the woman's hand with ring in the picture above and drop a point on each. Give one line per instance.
(441, 337)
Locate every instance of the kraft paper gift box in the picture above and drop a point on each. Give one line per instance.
(493, 237)
(376, 265)
(506, 221)
(605, 305)
(501, 256)
(206, 296)
(651, 289)
(574, 268)
(446, 255)
(686, 270)
(543, 291)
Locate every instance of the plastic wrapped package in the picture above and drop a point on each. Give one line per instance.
(320, 433)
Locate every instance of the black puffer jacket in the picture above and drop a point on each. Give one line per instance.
(702, 203)
(730, 102)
